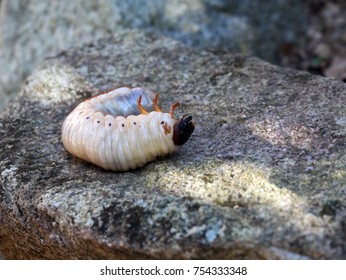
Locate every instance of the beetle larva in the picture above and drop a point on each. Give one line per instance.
(115, 131)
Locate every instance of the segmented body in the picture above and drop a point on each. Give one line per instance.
(114, 130)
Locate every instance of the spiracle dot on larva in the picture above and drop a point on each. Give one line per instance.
(124, 129)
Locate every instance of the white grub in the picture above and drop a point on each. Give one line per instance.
(114, 130)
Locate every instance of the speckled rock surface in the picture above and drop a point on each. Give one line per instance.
(263, 175)
(33, 30)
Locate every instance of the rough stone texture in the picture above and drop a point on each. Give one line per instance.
(263, 175)
(32, 30)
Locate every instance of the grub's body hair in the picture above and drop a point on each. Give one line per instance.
(115, 131)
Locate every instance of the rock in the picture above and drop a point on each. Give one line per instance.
(263, 175)
(32, 30)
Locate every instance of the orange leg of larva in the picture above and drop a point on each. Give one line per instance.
(156, 107)
(174, 106)
(140, 107)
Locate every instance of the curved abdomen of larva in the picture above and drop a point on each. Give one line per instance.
(104, 130)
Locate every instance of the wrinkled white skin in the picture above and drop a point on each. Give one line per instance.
(115, 142)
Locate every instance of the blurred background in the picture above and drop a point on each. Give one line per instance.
(303, 34)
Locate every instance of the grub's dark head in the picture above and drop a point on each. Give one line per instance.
(182, 130)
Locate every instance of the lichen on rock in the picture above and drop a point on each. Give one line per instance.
(263, 175)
